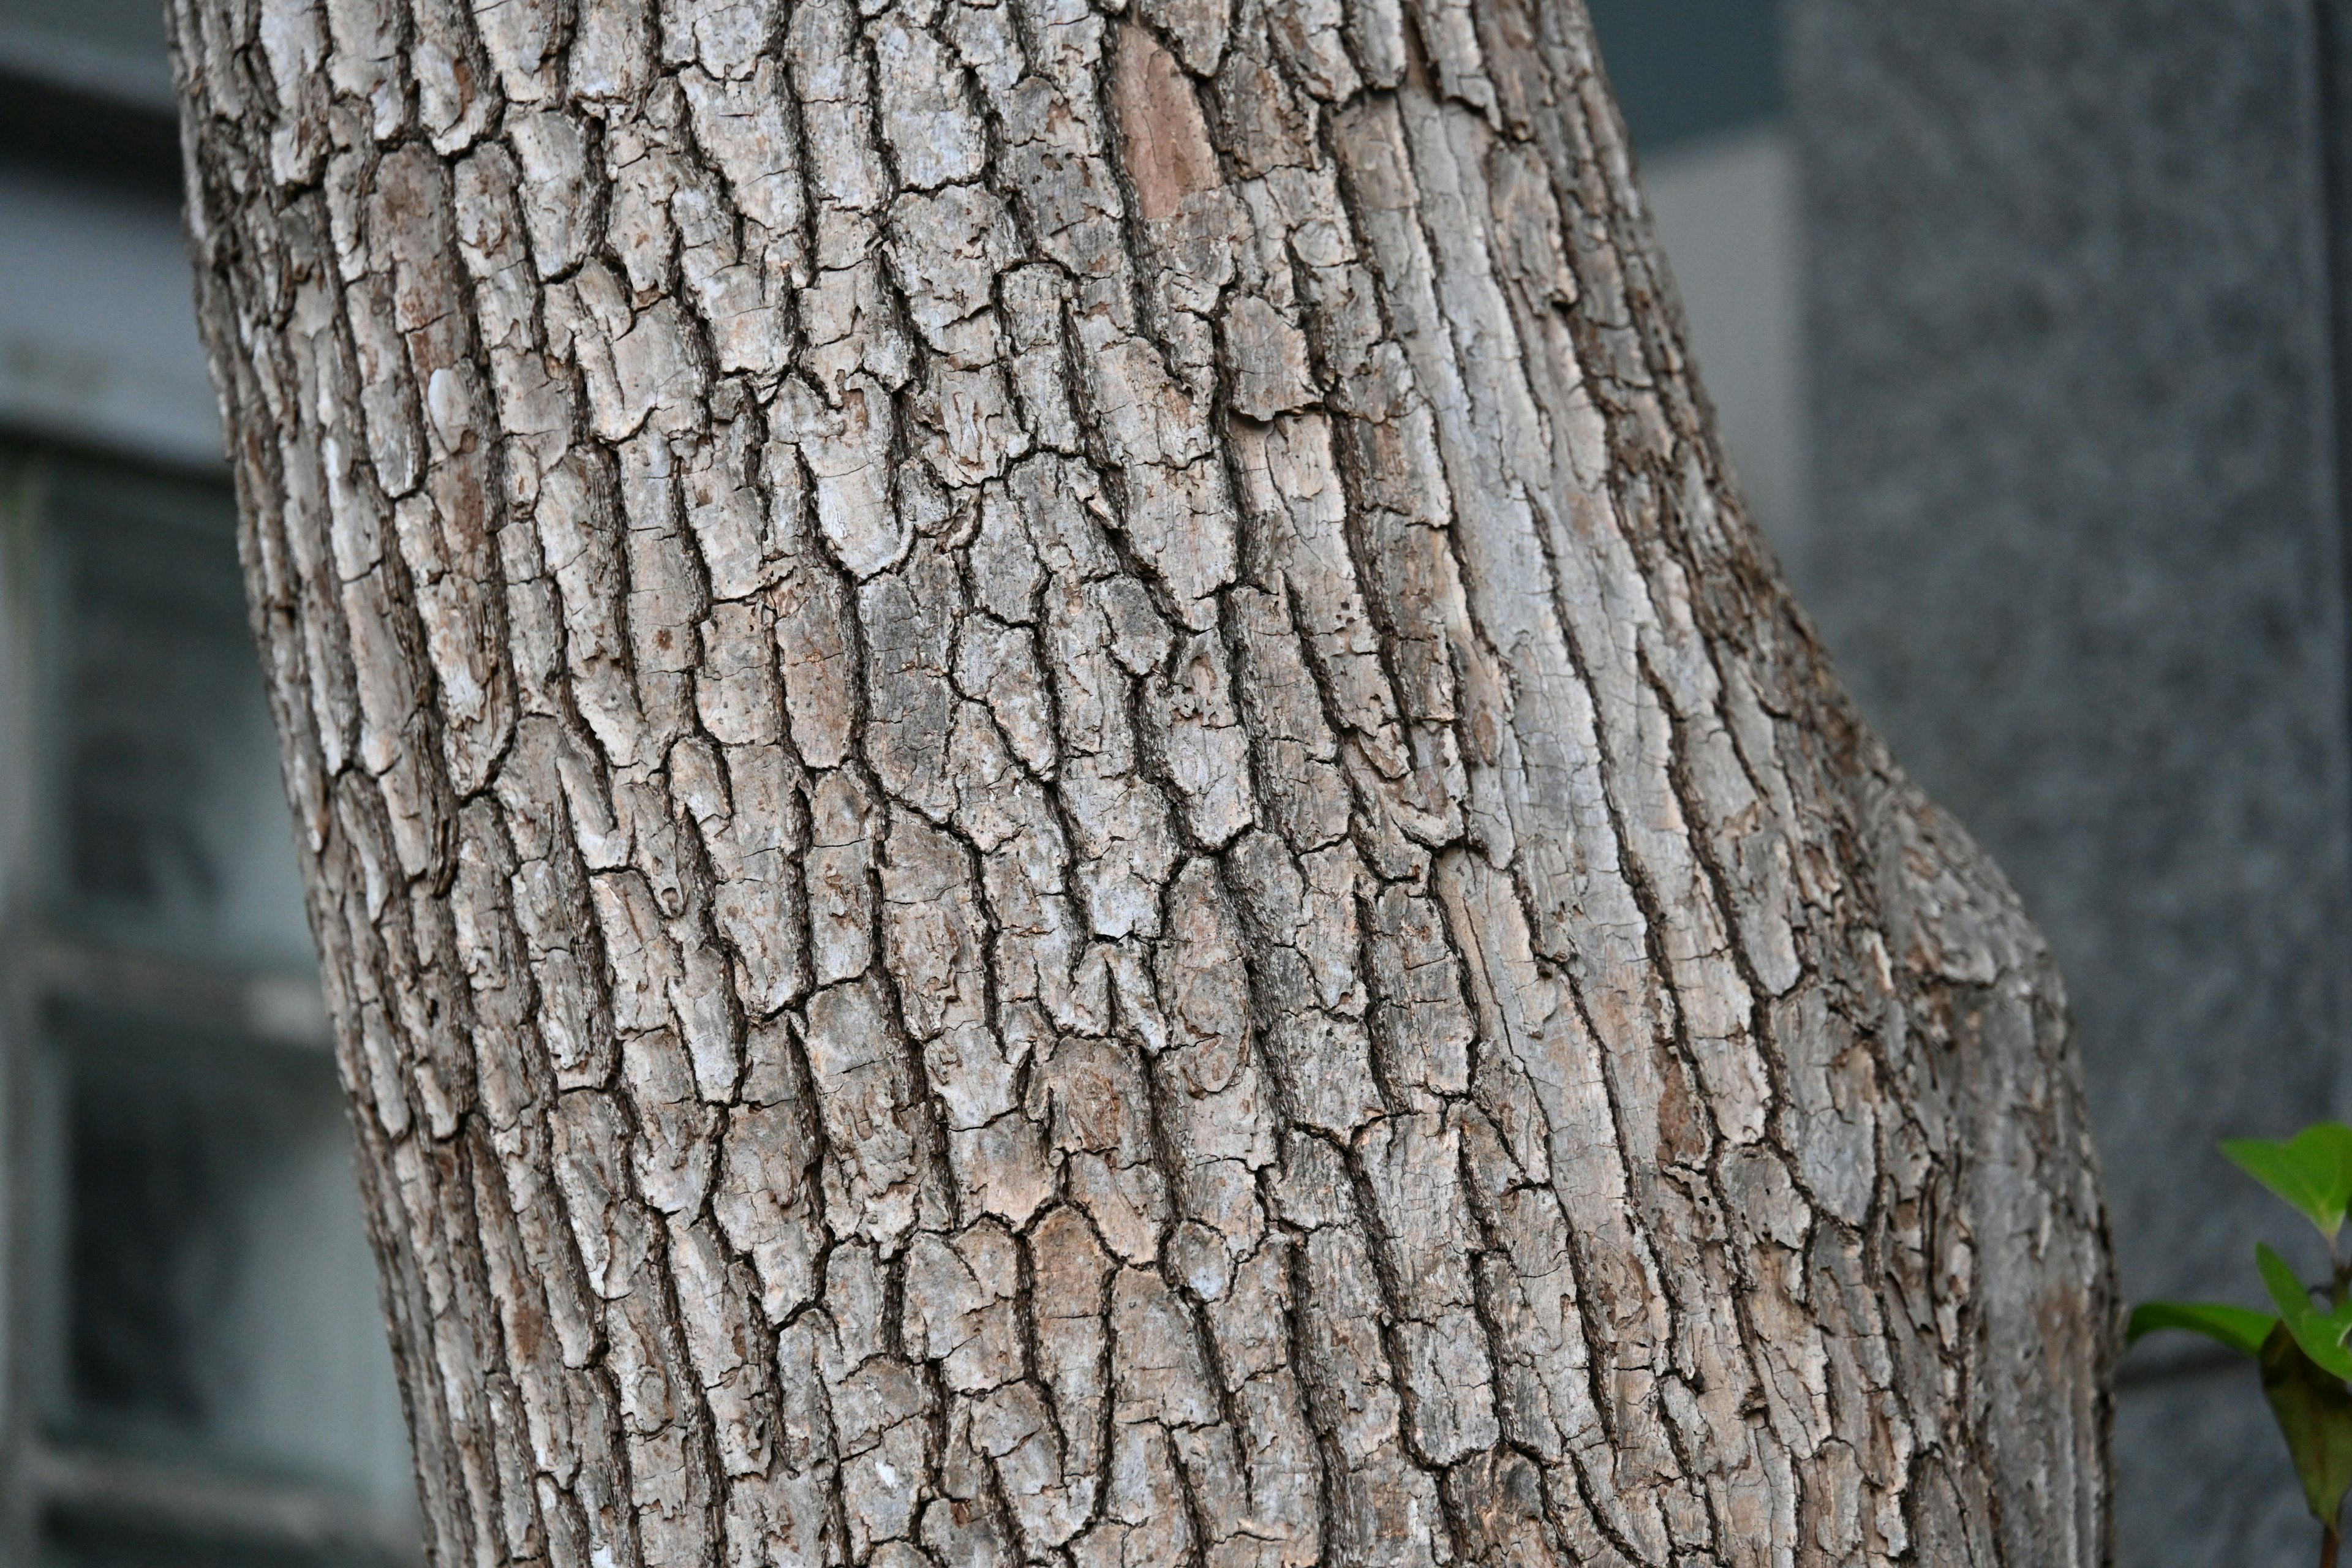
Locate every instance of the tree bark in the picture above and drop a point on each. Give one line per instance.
(1056, 811)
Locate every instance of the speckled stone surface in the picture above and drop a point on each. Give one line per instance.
(2076, 545)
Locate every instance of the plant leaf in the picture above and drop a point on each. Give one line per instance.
(2321, 1334)
(2241, 1328)
(2315, 1416)
(2312, 1171)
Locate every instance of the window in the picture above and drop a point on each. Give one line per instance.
(193, 1337)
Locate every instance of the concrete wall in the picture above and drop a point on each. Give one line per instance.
(2075, 542)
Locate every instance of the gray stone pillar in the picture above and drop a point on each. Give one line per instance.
(2076, 542)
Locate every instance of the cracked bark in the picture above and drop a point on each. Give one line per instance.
(1057, 813)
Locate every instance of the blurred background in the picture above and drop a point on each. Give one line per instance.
(2028, 323)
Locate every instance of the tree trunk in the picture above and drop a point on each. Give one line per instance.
(1055, 812)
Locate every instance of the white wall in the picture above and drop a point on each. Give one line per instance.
(1727, 212)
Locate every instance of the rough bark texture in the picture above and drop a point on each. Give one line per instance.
(1056, 814)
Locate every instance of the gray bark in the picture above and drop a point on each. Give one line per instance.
(1057, 813)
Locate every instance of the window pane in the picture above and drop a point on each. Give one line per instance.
(78, 1540)
(171, 829)
(119, 26)
(219, 1301)
(110, 46)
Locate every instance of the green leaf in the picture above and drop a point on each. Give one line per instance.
(2315, 1416)
(2312, 1171)
(2321, 1334)
(2241, 1328)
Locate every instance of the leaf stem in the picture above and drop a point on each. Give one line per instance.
(2328, 1543)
